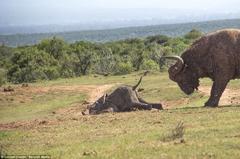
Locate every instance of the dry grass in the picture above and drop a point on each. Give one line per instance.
(176, 133)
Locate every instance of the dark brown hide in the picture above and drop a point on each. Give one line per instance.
(124, 98)
(215, 55)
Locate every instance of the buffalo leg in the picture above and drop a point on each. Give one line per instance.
(140, 105)
(154, 105)
(108, 110)
(216, 92)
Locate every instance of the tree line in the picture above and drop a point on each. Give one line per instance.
(54, 58)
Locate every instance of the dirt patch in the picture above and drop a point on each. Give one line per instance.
(27, 94)
(27, 124)
(230, 96)
(175, 103)
(98, 92)
(73, 112)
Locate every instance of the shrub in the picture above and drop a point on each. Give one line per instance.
(123, 68)
(149, 65)
(177, 45)
(2, 77)
(159, 39)
(30, 65)
(193, 34)
(54, 46)
(51, 72)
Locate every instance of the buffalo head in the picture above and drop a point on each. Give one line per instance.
(98, 106)
(183, 74)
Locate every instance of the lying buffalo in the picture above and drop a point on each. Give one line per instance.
(216, 55)
(122, 99)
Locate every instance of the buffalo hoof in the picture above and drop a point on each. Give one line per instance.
(210, 105)
(157, 106)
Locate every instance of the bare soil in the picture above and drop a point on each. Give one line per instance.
(72, 112)
(229, 97)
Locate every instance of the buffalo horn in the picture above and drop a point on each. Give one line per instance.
(179, 61)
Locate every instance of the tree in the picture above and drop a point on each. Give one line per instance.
(84, 53)
(178, 45)
(2, 76)
(156, 52)
(149, 64)
(5, 55)
(123, 68)
(67, 66)
(105, 61)
(193, 34)
(54, 46)
(30, 64)
(159, 39)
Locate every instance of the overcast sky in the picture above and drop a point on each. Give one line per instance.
(83, 4)
(25, 12)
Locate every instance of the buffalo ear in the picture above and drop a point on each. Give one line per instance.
(104, 98)
(185, 67)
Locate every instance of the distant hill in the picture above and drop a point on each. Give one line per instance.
(121, 33)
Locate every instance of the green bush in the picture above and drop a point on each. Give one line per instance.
(193, 34)
(54, 46)
(3, 78)
(53, 58)
(51, 72)
(67, 72)
(123, 68)
(30, 64)
(149, 65)
(67, 66)
(177, 45)
(159, 39)
(84, 54)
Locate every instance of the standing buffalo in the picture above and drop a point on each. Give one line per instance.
(215, 55)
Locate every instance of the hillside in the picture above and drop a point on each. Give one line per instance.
(121, 33)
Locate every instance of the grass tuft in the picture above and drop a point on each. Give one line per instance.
(175, 133)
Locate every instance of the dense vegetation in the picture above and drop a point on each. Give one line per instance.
(172, 30)
(53, 58)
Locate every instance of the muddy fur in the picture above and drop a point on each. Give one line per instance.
(124, 98)
(215, 55)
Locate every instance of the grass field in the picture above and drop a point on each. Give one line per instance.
(45, 118)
